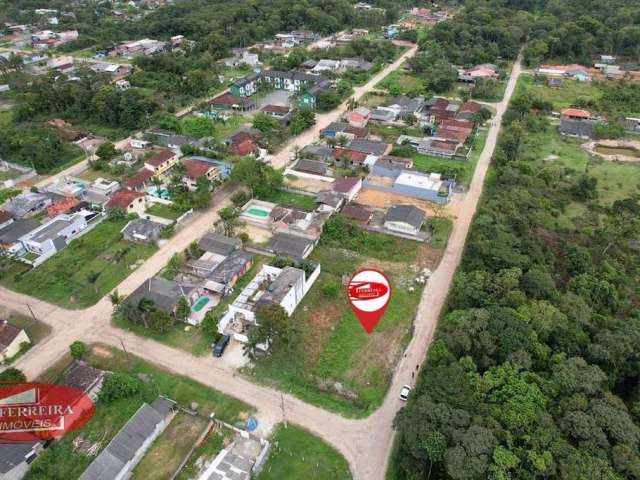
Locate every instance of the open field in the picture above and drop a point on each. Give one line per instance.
(291, 199)
(169, 450)
(563, 97)
(63, 460)
(84, 271)
(165, 211)
(297, 454)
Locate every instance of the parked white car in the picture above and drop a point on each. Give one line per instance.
(404, 393)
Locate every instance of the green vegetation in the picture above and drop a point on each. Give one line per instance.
(299, 454)
(35, 329)
(291, 199)
(68, 459)
(83, 272)
(170, 212)
(541, 327)
(214, 443)
(167, 453)
(8, 194)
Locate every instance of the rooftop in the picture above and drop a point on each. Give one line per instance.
(278, 289)
(161, 157)
(430, 181)
(164, 293)
(220, 244)
(197, 168)
(123, 198)
(405, 213)
(230, 267)
(345, 184)
(289, 245)
(8, 334)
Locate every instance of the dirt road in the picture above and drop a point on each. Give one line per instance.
(284, 156)
(366, 443)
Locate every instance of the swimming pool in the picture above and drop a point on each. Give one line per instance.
(154, 192)
(200, 303)
(258, 212)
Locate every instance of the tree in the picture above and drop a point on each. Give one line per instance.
(106, 151)
(301, 120)
(229, 217)
(12, 375)
(119, 385)
(78, 349)
(260, 178)
(183, 309)
(273, 326)
(116, 300)
(160, 321)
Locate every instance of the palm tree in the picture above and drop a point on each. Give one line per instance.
(116, 300)
(352, 104)
(157, 183)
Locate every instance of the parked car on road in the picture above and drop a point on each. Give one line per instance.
(219, 347)
(404, 393)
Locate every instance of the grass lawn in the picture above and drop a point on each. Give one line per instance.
(169, 450)
(35, 329)
(62, 461)
(441, 230)
(298, 454)
(562, 97)
(291, 199)
(225, 129)
(193, 340)
(164, 211)
(337, 365)
(390, 133)
(405, 83)
(64, 278)
(72, 154)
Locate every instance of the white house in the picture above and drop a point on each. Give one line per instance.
(281, 286)
(53, 236)
(404, 219)
(11, 339)
(138, 143)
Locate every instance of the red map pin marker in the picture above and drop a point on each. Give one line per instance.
(369, 293)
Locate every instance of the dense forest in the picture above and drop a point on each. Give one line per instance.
(535, 368)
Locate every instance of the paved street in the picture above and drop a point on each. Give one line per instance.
(365, 443)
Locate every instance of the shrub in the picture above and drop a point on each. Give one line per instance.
(78, 349)
(120, 385)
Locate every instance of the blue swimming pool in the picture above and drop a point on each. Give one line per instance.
(154, 192)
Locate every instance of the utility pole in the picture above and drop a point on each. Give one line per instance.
(31, 311)
(123, 348)
(284, 416)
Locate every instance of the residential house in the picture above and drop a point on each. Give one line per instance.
(436, 110)
(280, 286)
(357, 64)
(575, 71)
(245, 147)
(293, 246)
(161, 161)
(54, 235)
(358, 213)
(11, 340)
(6, 218)
(319, 152)
(349, 158)
(359, 117)
(128, 201)
(226, 274)
(238, 103)
(165, 294)
(554, 83)
(370, 147)
(246, 86)
(146, 46)
(342, 129)
(277, 111)
(575, 114)
(85, 378)
(139, 180)
(27, 204)
(468, 111)
(11, 233)
(123, 84)
(196, 169)
(219, 244)
(311, 167)
(327, 66)
(392, 160)
(139, 143)
(129, 445)
(329, 201)
(632, 124)
(406, 107)
(141, 230)
(16, 459)
(411, 183)
(577, 128)
(484, 71)
(348, 186)
(384, 115)
(404, 219)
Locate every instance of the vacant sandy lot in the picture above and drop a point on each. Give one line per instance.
(308, 184)
(379, 199)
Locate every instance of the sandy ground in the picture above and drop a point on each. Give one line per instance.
(308, 184)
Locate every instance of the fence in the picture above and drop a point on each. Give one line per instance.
(27, 173)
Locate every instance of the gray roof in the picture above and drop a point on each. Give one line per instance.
(220, 244)
(13, 454)
(407, 214)
(233, 265)
(311, 166)
(164, 293)
(408, 104)
(252, 77)
(577, 128)
(336, 127)
(283, 283)
(16, 229)
(383, 115)
(82, 376)
(320, 151)
(368, 146)
(329, 197)
(289, 245)
(128, 441)
(52, 230)
(143, 227)
(26, 202)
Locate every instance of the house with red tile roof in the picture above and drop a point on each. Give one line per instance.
(139, 180)
(196, 169)
(352, 157)
(575, 114)
(63, 206)
(244, 147)
(128, 201)
(468, 110)
(358, 213)
(11, 339)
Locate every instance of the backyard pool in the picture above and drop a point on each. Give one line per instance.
(258, 212)
(200, 303)
(154, 192)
